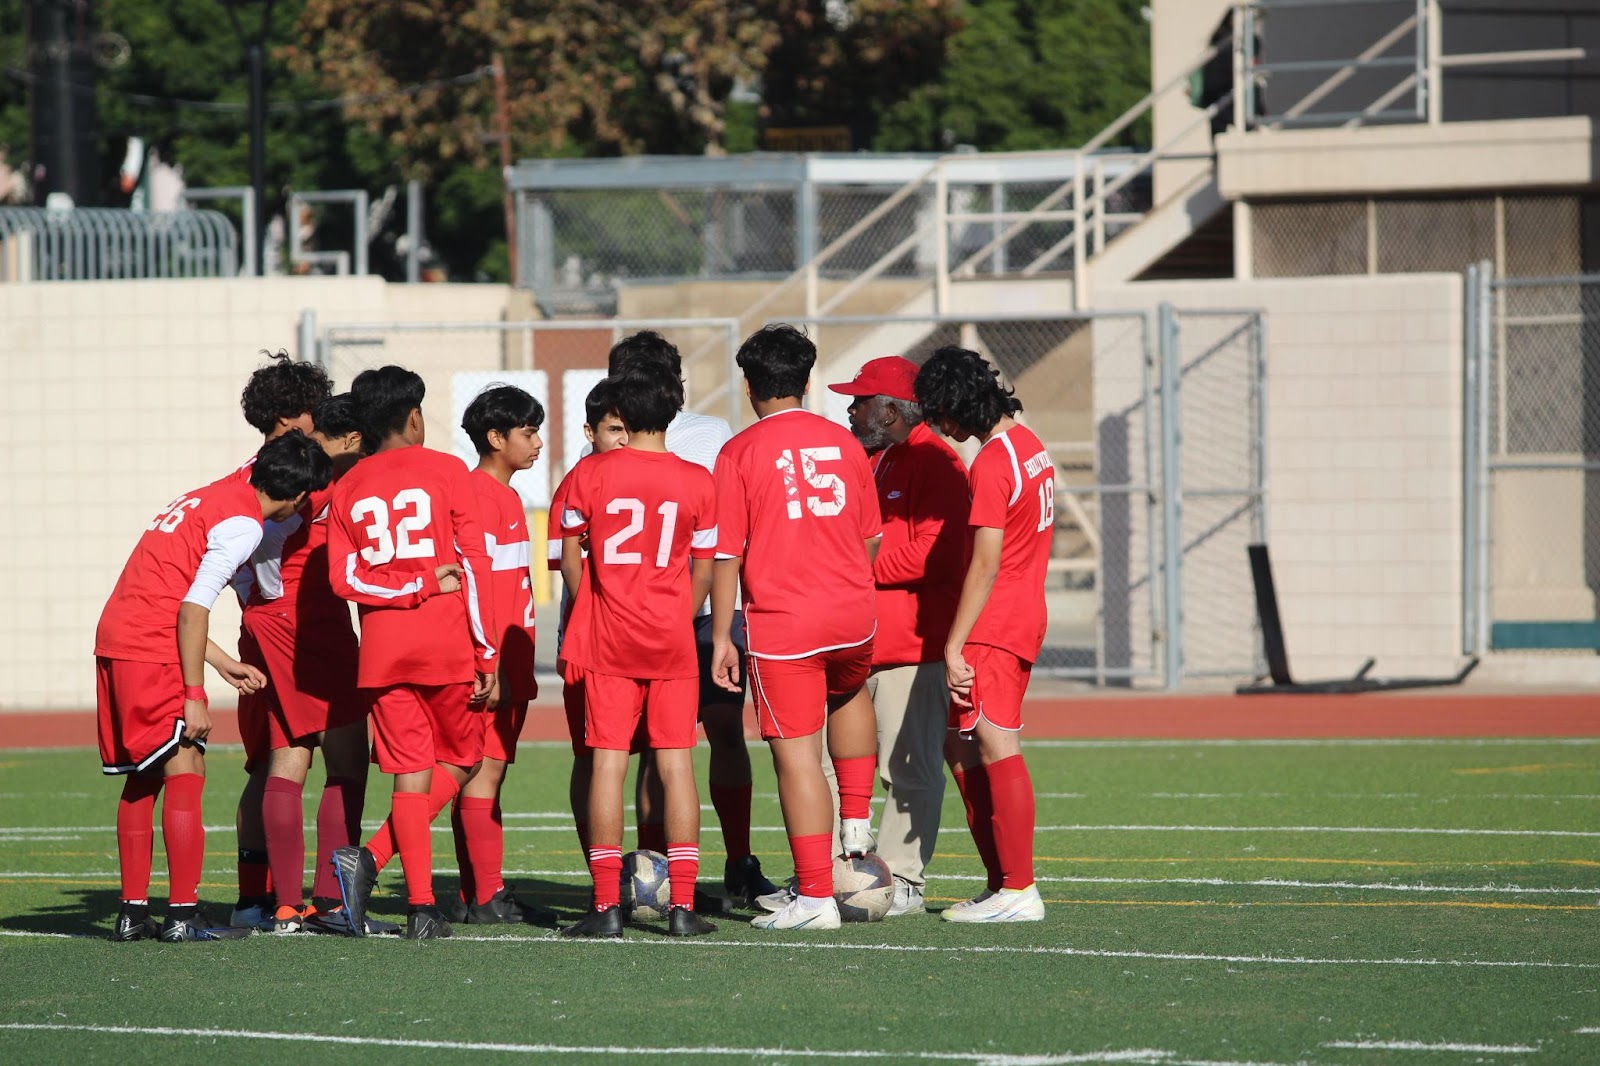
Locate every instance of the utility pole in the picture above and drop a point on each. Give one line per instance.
(62, 97)
(502, 121)
(255, 48)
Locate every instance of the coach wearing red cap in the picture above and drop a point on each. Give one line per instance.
(922, 491)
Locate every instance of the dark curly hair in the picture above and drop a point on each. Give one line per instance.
(777, 362)
(646, 346)
(960, 385)
(284, 388)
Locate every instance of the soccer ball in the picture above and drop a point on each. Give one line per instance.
(864, 888)
(646, 887)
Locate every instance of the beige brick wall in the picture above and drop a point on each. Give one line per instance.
(118, 396)
(1364, 460)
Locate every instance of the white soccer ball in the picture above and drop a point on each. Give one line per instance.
(863, 888)
(646, 886)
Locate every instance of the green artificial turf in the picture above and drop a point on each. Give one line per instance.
(1161, 945)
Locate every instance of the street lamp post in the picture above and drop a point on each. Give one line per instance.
(255, 62)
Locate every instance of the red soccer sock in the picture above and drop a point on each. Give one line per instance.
(683, 867)
(813, 863)
(411, 821)
(733, 814)
(485, 845)
(255, 876)
(458, 833)
(1011, 789)
(441, 790)
(185, 834)
(855, 785)
(334, 831)
(136, 831)
(653, 837)
(285, 823)
(974, 787)
(605, 869)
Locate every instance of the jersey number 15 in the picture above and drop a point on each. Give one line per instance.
(830, 486)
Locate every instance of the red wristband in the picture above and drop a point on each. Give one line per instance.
(194, 692)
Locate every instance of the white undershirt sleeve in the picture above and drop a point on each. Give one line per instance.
(228, 546)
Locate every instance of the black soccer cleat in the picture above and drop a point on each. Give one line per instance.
(426, 923)
(504, 908)
(331, 922)
(706, 903)
(681, 921)
(743, 880)
(606, 924)
(358, 876)
(134, 923)
(195, 926)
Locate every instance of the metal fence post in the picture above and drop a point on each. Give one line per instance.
(1171, 498)
(1484, 304)
(414, 232)
(1470, 428)
(306, 338)
(733, 374)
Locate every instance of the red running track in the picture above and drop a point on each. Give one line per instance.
(1373, 715)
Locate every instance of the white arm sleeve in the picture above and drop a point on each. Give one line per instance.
(228, 546)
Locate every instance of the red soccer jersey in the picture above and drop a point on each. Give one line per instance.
(1013, 490)
(558, 503)
(646, 514)
(396, 517)
(505, 534)
(796, 501)
(290, 568)
(140, 620)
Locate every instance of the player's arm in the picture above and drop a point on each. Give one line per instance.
(354, 579)
(975, 589)
(241, 676)
(571, 573)
(228, 545)
(733, 521)
(703, 545)
(476, 579)
(937, 532)
(573, 525)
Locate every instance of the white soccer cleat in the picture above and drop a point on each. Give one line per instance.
(974, 901)
(801, 915)
(1006, 905)
(855, 837)
(251, 917)
(776, 901)
(907, 899)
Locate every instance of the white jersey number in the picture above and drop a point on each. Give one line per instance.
(830, 487)
(175, 513)
(1047, 506)
(612, 553)
(399, 544)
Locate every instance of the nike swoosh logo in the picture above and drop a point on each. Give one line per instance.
(514, 525)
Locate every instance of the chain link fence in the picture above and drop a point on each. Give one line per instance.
(1533, 531)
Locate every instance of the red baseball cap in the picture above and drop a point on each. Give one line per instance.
(893, 376)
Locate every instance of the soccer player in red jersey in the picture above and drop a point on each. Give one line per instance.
(503, 424)
(151, 648)
(646, 513)
(301, 630)
(604, 429)
(279, 397)
(922, 491)
(405, 545)
(798, 523)
(999, 625)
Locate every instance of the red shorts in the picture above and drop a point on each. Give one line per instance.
(614, 707)
(501, 728)
(312, 674)
(791, 695)
(1000, 680)
(140, 713)
(574, 703)
(416, 726)
(255, 708)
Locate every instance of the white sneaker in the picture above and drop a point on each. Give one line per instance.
(855, 837)
(251, 917)
(907, 899)
(798, 915)
(968, 903)
(776, 901)
(1006, 905)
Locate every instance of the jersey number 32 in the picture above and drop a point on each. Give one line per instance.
(391, 539)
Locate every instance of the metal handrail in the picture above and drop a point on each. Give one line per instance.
(90, 244)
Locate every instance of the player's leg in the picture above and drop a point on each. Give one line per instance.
(994, 723)
(345, 760)
(255, 903)
(121, 732)
(729, 781)
(572, 702)
(911, 704)
(671, 711)
(183, 831)
(612, 708)
(791, 704)
(649, 805)
(853, 753)
(283, 818)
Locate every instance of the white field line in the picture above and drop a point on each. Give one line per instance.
(1418, 1045)
(983, 1058)
(22, 832)
(1587, 1031)
(1215, 882)
(785, 944)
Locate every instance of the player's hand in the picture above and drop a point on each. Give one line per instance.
(196, 720)
(958, 677)
(725, 665)
(449, 576)
(242, 676)
(483, 686)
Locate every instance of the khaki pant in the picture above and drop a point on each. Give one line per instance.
(912, 706)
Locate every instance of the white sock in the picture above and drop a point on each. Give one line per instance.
(811, 904)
